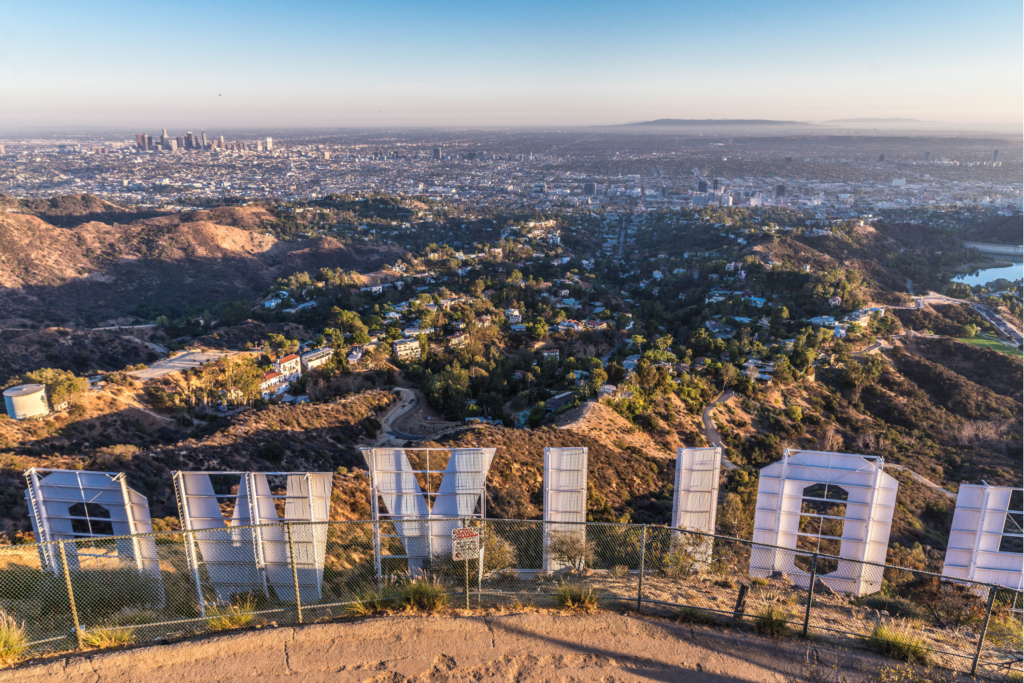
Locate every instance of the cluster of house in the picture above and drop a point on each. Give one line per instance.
(861, 317)
(717, 295)
(279, 298)
(288, 369)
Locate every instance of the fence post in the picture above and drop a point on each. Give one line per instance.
(376, 554)
(71, 593)
(984, 629)
(640, 583)
(295, 572)
(810, 592)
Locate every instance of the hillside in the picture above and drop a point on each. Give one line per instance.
(113, 434)
(624, 484)
(96, 271)
(80, 351)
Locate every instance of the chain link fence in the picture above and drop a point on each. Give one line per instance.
(97, 592)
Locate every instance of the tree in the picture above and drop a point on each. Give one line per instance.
(638, 341)
(62, 386)
(537, 330)
(597, 379)
(969, 330)
(729, 375)
(781, 312)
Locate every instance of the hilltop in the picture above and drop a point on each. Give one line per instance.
(94, 271)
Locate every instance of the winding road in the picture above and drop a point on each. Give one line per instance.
(407, 403)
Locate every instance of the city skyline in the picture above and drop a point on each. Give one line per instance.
(323, 65)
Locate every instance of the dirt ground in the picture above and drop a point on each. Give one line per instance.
(605, 646)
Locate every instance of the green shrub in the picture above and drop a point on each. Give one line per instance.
(371, 602)
(423, 595)
(109, 636)
(758, 581)
(1005, 630)
(225, 618)
(899, 641)
(13, 641)
(572, 549)
(771, 620)
(499, 553)
(576, 597)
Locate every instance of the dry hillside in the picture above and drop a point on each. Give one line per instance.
(77, 350)
(113, 434)
(95, 271)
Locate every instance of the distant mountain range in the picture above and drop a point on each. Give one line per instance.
(869, 120)
(714, 122)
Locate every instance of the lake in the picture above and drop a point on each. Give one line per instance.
(983, 277)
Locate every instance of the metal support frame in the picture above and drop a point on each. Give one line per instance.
(871, 497)
(257, 525)
(429, 517)
(68, 488)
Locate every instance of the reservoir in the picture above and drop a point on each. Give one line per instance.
(982, 277)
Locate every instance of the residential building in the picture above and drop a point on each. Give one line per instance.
(317, 358)
(457, 341)
(407, 349)
(290, 366)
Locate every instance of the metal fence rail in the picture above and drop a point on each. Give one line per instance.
(322, 571)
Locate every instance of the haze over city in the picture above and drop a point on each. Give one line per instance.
(113, 64)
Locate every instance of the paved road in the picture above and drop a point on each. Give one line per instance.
(618, 343)
(711, 432)
(605, 646)
(408, 402)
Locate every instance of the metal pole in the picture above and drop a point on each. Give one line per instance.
(295, 572)
(71, 594)
(376, 553)
(810, 592)
(467, 581)
(640, 584)
(984, 629)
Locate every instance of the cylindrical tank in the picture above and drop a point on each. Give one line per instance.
(26, 400)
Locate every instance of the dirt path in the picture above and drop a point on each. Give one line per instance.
(711, 432)
(605, 646)
(922, 480)
(137, 406)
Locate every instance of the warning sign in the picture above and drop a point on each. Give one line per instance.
(465, 544)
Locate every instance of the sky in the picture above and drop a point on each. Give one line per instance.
(145, 65)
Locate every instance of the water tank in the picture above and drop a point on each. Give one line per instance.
(25, 401)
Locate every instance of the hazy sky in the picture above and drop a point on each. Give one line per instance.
(145, 65)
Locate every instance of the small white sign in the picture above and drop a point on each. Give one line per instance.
(465, 544)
